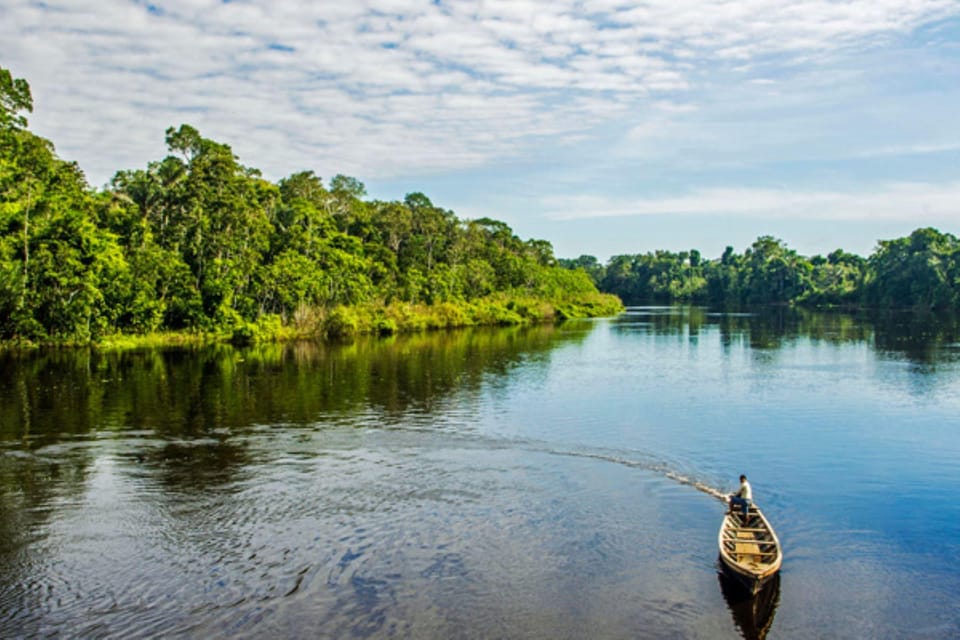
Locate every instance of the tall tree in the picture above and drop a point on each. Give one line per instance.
(15, 97)
(917, 271)
(56, 262)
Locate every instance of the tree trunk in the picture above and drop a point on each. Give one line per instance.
(26, 251)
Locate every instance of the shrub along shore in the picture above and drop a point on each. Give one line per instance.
(379, 319)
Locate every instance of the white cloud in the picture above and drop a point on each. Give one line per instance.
(919, 148)
(906, 201)
(388, 87)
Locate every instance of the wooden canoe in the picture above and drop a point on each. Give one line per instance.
(749, 549)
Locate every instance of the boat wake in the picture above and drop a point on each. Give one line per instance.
(699, 486)
(646, 463)
(634, 459)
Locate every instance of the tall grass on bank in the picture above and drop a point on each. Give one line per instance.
(310, 323)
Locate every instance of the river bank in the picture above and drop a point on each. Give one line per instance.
(370, 319)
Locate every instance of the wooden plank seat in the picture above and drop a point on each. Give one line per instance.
(765, 543)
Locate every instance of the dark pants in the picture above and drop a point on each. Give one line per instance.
(737, 501)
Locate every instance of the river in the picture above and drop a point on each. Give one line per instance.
(545, 482)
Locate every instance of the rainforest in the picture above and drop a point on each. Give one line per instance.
(197, 246)
(920, 272)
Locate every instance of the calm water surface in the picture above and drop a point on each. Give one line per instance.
(532, 483)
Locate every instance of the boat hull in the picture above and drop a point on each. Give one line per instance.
(752, 583)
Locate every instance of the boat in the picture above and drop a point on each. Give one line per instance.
(749, 548)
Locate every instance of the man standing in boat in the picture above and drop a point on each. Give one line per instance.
(743, 497)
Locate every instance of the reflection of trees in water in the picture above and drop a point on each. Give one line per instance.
(771, 327)
(28, 485)
(49, 394)
(752, 614)
(760, 328)
(191, 392)
(192, 401)
(919, 337)
(45, 399)
(196, 465)
(305, 382)
(177, 420)
(923, 338)
(32, 490)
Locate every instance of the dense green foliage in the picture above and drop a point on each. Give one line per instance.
(198, 242)
(921, 271)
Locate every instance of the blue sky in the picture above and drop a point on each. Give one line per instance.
(603, 126)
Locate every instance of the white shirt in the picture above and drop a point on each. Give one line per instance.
(745, 491)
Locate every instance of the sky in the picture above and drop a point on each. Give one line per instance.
(603, 126)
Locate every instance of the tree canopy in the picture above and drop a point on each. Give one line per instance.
(921, 271)
(197, 241)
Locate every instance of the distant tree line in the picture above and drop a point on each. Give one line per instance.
(197, 241)
(920, 271)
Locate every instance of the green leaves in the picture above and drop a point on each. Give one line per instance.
(920, 271)
(198, 241)
(14, 98)
(657, 276)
